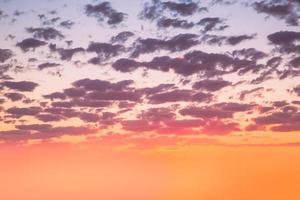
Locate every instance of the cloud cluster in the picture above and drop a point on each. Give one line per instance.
(104, 11)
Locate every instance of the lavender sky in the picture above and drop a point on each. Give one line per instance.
(145, 74)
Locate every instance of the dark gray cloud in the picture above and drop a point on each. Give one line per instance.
(122, 37)
(284, 37)
(30, 43)
(158, 8)
(45, 33)
(281, 9)
(105, 50)
(256, 91)
(297, 90)
(179, 95)
(285, 41)
(212, 24)
(89, 117)
(55, 95)
(280, 121)
(74, 92)
(5, 54)
(234, 40)
(195, 62)
(211, 85)
(47, 65)
(295, 62)
(104, 11)
(177, 43)
(184, 9)
(157, 114)
(174, 23)
(125, 65)
(49, 117)
(102, 85)
(34, 127)
(14, 96)
(23, 86)
(28, 111)
(67, 24)
(115, 96)
(66, 54)
(249, 54)
(219, 110)
(205, 112)
(229, 40)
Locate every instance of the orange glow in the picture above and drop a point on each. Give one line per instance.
(211, 173)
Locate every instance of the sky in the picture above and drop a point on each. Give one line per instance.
(157, 82)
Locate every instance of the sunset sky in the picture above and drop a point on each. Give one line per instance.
(183, 86)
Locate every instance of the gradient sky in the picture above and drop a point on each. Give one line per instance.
(200, 99)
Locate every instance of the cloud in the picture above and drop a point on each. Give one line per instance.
(285, 41)
(179, 95)
(256, 91)
(45, 33)
(105, 50)
(34, 127)
(67, 24)
(249, 54)
(234, 40)
(102, 85)
(277, 118)
(157, 114)
(104, 11)
(14, 96)
(158, 89)
(74, 92)
(284, 120)
(43, 132)
(66, 54)
(195, 62)
(47, 65)
(114, 96)
(55, 95)
(30, 43)
(177, 43)
(5, 54)
(279, 104)
(211, 85)
(174, 23)
(22, 86)
(184, 9)
(234, 107)
(139, 125)
(286, 128)
(284, 37)
(157, 9)
(205, 112)
(19, 112)
(122, 37)
(297, 90)
(212, 24)
(49, 117)
(229, 40)
(125, 65)
(89, 117)
(280, 9)
(219, 110)
(295, 62)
